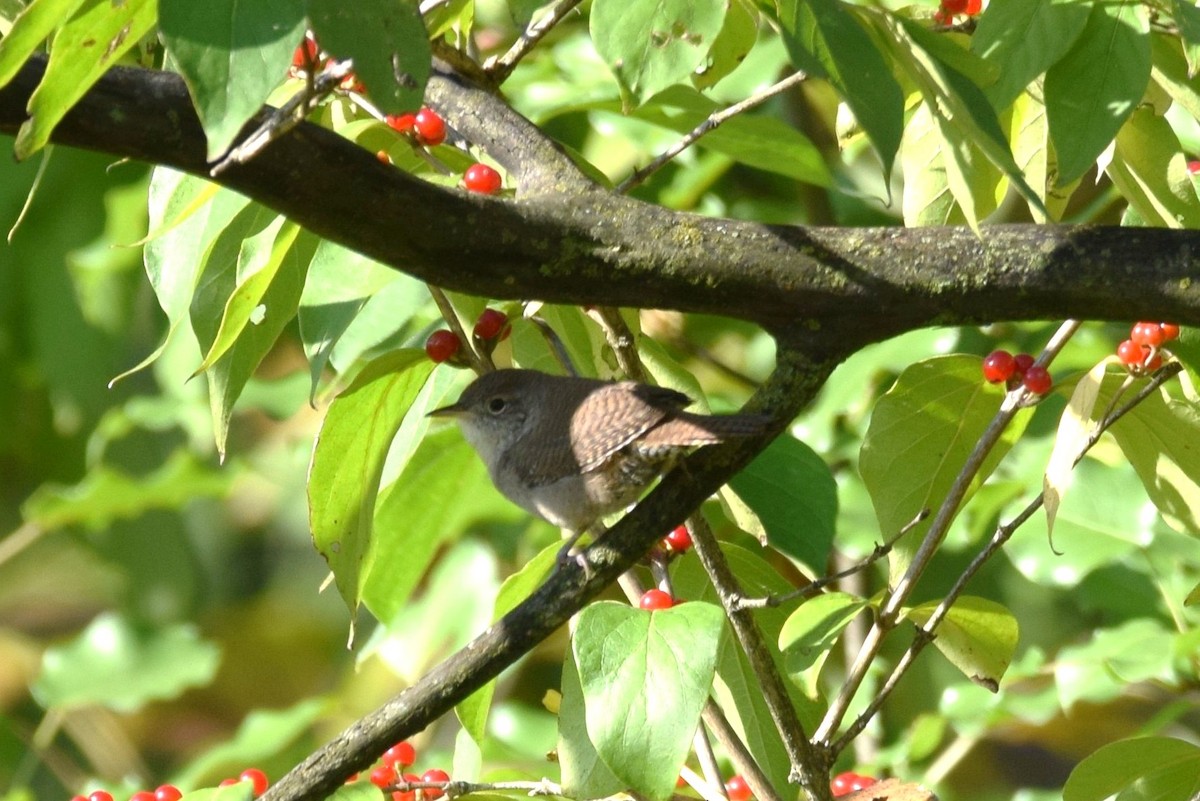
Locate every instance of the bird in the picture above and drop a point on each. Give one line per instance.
(573, 450)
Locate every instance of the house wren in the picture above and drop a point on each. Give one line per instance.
(572, 450)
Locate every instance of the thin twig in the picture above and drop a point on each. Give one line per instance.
(621, 340)
(480, 362)
(498, 68)
(889, 613)
(817, 585)
(552, 339)
(925, 633)
(713, 121)
(284, 118)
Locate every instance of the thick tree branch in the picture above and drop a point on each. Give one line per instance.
(564, 240)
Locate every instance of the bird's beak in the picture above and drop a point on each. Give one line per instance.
(452, 410)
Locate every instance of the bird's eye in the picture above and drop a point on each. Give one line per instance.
(496, 405)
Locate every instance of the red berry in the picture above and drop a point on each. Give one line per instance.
(79, 798)
(353, 777)
(973, 7)
(483, 179)
(142, 795)
(1193, 167)
(227, 782)
(999, 366)
(434, 775)
(1132, 354)
(404, 123)
(1170, 331)
(737, 789)
(655, 599)
(678, 540)
(492, 324)
(100, 795)
(1037, 380)
(954, 6)
(861, 783)
(167, 792)
(841, 784)
(306, 54)
(1147, 334)
(257, 778)
(408, 795)
(1154, 363)
(431, 128)
(401, 754)
(383, 776)
(1021, 363)
(680, 783)
(442, 345)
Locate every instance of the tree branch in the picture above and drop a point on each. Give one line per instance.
(565, 240)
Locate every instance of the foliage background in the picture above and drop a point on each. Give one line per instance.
(128, 538)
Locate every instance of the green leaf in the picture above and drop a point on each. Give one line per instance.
(965, 119)
(91, 41)
(645, 677)
(262, 257)
(652, 44)
(824, 38)
(920, 435)
(107, 494)
(584, 774)
(927, 199)
(1117, 766)
(580, 336)
(812, 630)
(347, 462)
(337, 287)
(262, 734)
(444, 488)
(523, 10)
(1103, 669)
(472, 713)
(1151, 172)
(391, 54)
(1030, 136)
(187, 214)
(1093, 89)
(118, 666)
(732, 45)
(1158, 437)
(792, 491)
(1074, 429)
(232, 55)
(218, 287)
(1098, 522)
(978, 636)
(1024, 40)
(31, 27)
(1187, 17)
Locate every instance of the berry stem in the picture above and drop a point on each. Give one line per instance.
(480, 362)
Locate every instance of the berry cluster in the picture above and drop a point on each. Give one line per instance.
(655, 599)
(1141, 353)
(169, 792)
(390, 771)
(491, 328)
(307, 57)
(849, 782)
(426, 126)
(1000, 366)
(678, 541)
(949, 8)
